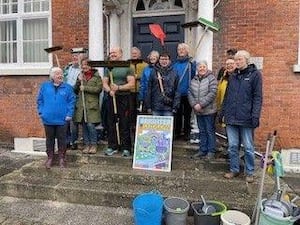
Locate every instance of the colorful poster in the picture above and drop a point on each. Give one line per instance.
(153, 143)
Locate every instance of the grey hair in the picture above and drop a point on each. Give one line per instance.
(185, 46)
(54, 70)
(202, 62)
(155, 53)
(137, 49)
(243, 53)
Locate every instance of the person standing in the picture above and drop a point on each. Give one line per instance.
(55, 106)
(186, 71)
(138, 65)
(229, 55)
(240, 112)
(71, 73)
(163, 98)
(153, 59)
(88, 87)
(230, 67)
(202, 97)
(118, 91)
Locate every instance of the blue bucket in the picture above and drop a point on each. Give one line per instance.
(148, 209)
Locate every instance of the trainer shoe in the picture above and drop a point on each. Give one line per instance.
(110, 151)
(249, 179)
(93, 149)
(198, 155)
(231, 175)
(125, 153)
(86, 149)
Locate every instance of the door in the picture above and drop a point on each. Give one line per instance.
(144, 40)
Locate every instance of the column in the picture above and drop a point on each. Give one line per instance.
(205, 49)
(114, 29)
(96, 41)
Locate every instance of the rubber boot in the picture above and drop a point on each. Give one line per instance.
(48, 163)
(62, 156)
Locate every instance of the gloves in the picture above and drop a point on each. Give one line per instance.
(255, 122)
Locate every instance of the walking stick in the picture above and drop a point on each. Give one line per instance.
(83, 104)
(110, 65)
(115, 108)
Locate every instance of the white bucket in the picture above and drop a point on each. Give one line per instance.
(232, 217)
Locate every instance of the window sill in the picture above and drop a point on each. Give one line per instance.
(296, 68)
(24, 70)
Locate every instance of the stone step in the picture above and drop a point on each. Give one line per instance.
(202, 175)
(94, 192)
(180, 159)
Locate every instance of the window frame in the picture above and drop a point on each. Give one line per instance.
(20, 67)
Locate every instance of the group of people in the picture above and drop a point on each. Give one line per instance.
(159, 87)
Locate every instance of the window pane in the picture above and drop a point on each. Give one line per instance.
(140, 5)
(35, 39)
(36, 5)
(8, 6)
(8, 42)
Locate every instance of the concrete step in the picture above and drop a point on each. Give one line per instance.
(101, 193)
(180, 159)
(115, 173)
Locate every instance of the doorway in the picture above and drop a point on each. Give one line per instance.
(146, 42)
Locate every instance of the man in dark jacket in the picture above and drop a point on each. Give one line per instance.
(241, 112)
(163, 97)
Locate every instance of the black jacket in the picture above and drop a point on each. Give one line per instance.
(243, 98)
(154, 98)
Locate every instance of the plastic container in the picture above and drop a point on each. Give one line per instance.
(235, 217)
(200, 218)
(148, 209)
(176, 211)
(267, 219)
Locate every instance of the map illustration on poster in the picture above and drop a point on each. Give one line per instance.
(153, 143)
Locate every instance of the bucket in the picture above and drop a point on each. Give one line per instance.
(148, 209)
(200, 218)
(231, 217)
(176, 210)
(266, 219)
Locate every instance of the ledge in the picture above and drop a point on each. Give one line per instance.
(43, 70)
(296, 68)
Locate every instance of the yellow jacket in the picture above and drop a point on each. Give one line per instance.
(221, 90)
(138, 73)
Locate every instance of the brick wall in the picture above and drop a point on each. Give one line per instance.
(18, 107)
(267, 29)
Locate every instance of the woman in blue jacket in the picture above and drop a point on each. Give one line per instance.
(55, 104)
(153, 59)
(241, 112)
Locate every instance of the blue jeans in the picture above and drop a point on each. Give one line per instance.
(246, 136)
(206, 125)
(162, 113)
(89, 133)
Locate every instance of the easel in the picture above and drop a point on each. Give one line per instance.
(110, 65)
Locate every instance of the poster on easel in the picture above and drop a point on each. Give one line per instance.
(153, 143)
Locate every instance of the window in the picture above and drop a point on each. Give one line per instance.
(144, 5)
(24, 32)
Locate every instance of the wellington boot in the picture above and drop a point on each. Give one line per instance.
(48, 163)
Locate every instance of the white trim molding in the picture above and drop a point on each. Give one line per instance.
(296, 67)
